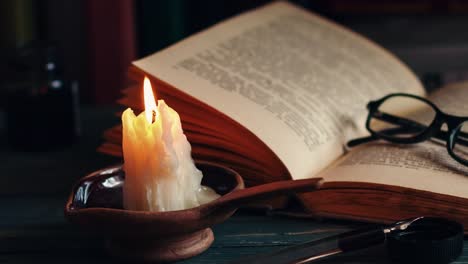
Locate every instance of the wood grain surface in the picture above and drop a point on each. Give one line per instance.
(33, 230)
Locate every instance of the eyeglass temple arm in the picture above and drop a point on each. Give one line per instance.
(410, 124)
(442, 135)
(362, 140)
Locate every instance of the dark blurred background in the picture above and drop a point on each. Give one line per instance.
(63, 64)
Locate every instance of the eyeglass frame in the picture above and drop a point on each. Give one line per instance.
(433, 130)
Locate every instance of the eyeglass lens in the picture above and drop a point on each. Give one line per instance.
(460, 146)
(402, 117)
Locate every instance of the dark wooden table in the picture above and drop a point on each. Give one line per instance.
(33, 230)
(34, 187)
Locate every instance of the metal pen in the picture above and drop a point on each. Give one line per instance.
(330, 246)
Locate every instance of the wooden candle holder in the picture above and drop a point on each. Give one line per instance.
(96, 204)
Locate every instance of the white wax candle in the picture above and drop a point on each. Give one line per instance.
(160, 174)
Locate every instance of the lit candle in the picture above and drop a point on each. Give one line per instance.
(160, 174)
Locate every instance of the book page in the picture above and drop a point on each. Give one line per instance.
(297, 81)
(452, 98)
(424, 166)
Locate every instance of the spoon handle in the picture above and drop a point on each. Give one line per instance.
(269, 190)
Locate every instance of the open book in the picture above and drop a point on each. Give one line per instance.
(275, 93)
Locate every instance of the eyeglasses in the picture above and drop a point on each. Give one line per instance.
(407, 119)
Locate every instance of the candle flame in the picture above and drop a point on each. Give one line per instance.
(150, 101)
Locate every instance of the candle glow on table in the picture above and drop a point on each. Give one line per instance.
(160, 174)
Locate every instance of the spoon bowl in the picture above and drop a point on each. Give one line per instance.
(96, 204)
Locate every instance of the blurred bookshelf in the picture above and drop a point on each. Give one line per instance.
(98, 39)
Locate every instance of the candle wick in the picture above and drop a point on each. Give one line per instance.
(153, 119)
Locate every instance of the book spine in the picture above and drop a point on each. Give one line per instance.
(111, 44)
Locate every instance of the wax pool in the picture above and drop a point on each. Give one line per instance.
(160, 174)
